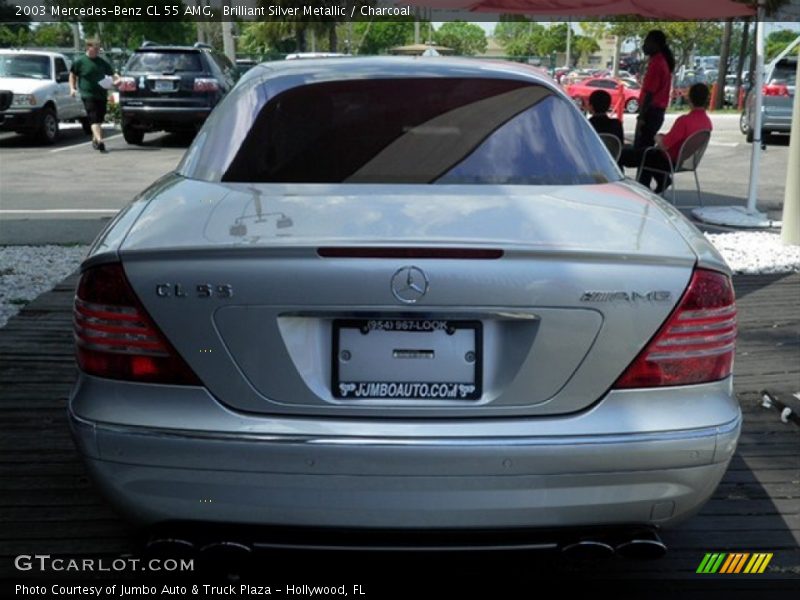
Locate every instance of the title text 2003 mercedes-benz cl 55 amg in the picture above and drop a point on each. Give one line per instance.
(403, 294)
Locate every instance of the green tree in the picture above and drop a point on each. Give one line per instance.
(14, 30)
(552, 39)
(518, 36)
(377, 37)
(52, 35)
(263, 37)
(131, 34)
(584, 45)
(466, 39)
(777, 41)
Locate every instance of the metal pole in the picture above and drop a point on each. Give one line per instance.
(790, 232)
(758, 83)
(569, 43)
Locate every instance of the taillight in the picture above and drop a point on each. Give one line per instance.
(776, 89)
(206, 84)
(127, 84)
(115, 337)
(696, 344)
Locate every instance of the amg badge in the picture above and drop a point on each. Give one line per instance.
(657, 296)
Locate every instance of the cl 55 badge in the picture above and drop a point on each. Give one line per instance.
(202, 290)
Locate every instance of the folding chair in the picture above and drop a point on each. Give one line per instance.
(691, 152)
(612, 143)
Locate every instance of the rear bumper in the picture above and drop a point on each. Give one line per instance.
(777, 118)
(27, 119)
(392, 475)
(165, 116)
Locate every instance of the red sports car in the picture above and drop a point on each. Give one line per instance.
(581, 91)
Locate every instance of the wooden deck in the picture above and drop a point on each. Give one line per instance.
(48, 505)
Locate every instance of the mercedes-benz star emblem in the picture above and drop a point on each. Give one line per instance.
(409, 284)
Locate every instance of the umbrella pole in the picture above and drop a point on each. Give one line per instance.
(749, 216)
(755, 160)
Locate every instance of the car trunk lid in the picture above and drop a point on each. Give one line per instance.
(544, 294)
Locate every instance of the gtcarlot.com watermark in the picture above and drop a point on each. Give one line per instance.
(45, 562)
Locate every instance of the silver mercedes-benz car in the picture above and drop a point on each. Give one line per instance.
(404, 295)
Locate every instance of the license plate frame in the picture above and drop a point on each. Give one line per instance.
(417, 329)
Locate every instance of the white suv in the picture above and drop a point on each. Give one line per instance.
(34, 93)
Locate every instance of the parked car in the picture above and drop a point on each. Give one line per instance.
(581, 91)
(397, 294)
(34, 94)
(778, 95)
(243, 65)
(172, 88)
(680, 87)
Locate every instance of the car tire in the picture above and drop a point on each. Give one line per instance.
(632, 106)
(132, 135)
(48, 127)
(744, 123)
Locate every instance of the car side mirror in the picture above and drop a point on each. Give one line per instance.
(62, 77)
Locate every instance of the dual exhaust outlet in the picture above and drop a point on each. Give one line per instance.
(640, 544)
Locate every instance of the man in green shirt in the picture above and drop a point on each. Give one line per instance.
(85, 76)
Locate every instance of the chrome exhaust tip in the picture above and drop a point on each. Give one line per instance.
(227, 550)
(231, 560)
(170, 548)
(588, 550)
(645, 545)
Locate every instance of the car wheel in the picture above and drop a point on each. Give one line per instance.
(744, 123)
(132, 135)
(632, 105)
(48, 129)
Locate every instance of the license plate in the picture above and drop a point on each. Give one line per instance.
(407, 359)
(163, 85)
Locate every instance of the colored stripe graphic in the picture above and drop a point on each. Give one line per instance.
(729, 564)
(711, 563)
(735, 563)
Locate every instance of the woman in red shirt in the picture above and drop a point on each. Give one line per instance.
(654, 97)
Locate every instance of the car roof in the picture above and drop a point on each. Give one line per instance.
(171, 49)
(379, 67)
(34, 52)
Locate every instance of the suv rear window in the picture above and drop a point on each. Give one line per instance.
(425, 130)
(785, 72)
(165, 62)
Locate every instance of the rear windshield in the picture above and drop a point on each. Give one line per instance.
(785, 73)
(417, 130)
(165, 62)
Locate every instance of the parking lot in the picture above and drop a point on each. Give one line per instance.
(64, 193)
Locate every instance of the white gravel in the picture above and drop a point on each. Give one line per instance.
(756, 252)
(27, 271)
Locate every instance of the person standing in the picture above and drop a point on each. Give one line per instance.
(85, 76)
(655, 94)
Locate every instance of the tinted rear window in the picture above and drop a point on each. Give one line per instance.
(425, 130)
(165, 62)
(785, 72)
